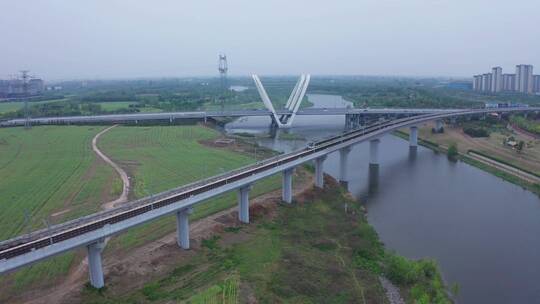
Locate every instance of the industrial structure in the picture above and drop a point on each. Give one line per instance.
(92, 230)
(223, 68)
(523, 81)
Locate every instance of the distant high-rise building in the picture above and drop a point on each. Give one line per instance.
(486, 82)
(16, 88)
(477, 83)
(509, 82)
(536, 83)
(524, 79)
(496, 79)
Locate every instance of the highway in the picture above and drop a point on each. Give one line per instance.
(201, 115)
(41, 244)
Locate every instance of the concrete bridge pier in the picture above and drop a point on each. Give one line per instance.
(319, 171)
(374, 152)
(413, 138)
(95, 268)
(182, 227)
(243, 204)
(438, 126)
(287, 185)
(343, 160)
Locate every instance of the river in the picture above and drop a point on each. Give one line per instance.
(482, 230)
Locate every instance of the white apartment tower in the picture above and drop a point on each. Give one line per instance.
(486, 82)
(509, 82)
(496, 79)
(524, 78)
(536, 83)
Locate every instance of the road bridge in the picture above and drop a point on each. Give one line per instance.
(204, 115)
(91, 231)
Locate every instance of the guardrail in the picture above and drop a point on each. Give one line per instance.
(59, 233)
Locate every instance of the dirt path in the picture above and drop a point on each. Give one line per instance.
(77, 275)
(465, 142)
(123, 175)
(505, 168)
(528, 135)
(130, 269)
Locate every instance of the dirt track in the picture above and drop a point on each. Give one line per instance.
(123, 175)
(129, 270)
(78, 273)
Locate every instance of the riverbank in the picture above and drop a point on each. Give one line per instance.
(505, 171)
(319, 249)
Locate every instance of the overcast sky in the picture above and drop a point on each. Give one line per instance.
(63, 39)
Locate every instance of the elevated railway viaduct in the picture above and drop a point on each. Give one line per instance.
(91, 231)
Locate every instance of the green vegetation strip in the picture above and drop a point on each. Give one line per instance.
(502, 161)
(528, 125)
(534, 188)
(423, 142)
(321, 250)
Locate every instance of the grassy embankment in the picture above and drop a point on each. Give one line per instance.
(528, 125)
(114, 106)
(161, 158)
(13, 106)
(47, 170)
(315, 251)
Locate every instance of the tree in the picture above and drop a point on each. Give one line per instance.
(519, 146)
(452, 151)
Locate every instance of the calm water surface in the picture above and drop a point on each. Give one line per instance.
(484, 232)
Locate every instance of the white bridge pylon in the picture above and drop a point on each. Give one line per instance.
(293, 103)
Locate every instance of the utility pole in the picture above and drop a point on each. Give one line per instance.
(223, 68)
(25, 76)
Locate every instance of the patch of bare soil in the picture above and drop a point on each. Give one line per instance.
(131, 270)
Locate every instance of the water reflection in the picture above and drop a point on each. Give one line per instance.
(373, 180)
(413, 151)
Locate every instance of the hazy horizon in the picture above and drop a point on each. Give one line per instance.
(60, 39)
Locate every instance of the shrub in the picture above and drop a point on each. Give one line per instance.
(476, 131)
(402, 271)
(452, 151)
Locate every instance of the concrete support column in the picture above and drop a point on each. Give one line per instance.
(182, 227)
(413, 136)
(319, 171)
(95, 267)
(374, 151)
(438, 125)
(243, 204)
(343, 157)
(287, 185)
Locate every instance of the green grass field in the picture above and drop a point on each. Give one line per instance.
(50, 169)
(6, 107)
(161, 158)
(47, 170)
